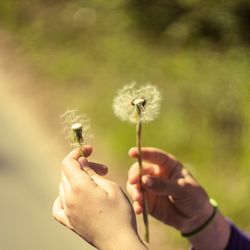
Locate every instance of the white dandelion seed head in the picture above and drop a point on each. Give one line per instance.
(72, 121)
(147, 98)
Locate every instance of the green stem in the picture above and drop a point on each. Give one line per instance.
(80, 148)
(144, 196)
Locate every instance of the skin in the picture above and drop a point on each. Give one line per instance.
(176, 198)
(88, 203)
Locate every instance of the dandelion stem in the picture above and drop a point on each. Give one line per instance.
(81, 149)
(144, 196)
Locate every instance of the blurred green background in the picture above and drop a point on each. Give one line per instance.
(77, 54)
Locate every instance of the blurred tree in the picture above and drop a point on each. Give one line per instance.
(185, 22)
(226, 23)
(242, 12)
(154, 16)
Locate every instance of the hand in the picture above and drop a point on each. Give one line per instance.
(174, 197)
(93, 207)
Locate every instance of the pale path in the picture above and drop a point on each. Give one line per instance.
(30, 156)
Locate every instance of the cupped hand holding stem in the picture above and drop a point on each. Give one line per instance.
(175, 198)
(93, 207)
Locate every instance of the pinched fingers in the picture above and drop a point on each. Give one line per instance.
(165, 161)
(78, 179)
(148, 169)
(76, 153)
(100, 169)
(82, 177)
(137, 207)
(71, 164)
(135, 193)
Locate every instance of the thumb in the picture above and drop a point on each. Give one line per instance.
(100, 181)
(159, 186)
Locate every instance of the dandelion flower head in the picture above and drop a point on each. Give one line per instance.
(72, 121)
(147, 96)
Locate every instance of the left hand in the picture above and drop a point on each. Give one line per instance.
(93, 207)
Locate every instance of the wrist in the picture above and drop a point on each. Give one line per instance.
(203, 221)
(199, 218)
(215, 236)
(123, 241)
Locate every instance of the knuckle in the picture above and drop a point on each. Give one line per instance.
(184, 184)
(89, 171)
(69, 204)
(184, 172)
(181, 182)
(133, 169)
(69, 214)
(114, 185)
(77, 185)
(64, 162)
(116, 188)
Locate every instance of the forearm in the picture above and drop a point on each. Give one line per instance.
(215, 236)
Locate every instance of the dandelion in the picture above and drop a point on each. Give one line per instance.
(138, 106)
(77, 128)
(146, 98)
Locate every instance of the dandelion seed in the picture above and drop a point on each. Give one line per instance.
(150, 106)
(138, 106)
(77, 128)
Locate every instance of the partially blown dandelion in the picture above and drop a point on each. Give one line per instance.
(77, 128)
(138, 106)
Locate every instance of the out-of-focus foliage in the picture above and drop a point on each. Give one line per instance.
(182, 21)
(195, 51)
(221, 22)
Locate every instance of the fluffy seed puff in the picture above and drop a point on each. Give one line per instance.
(129, 98)
(76, 127)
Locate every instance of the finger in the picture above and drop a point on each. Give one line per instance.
(97, 167)
(58, 213)
(76, 153)
(98, 180)
(156, 156)
(87, 150)
(72, 170)
(62, 195)
(159, 186)
(134, 171)
(153, 155)
(65, 183)
(134, 192)
(137, 207)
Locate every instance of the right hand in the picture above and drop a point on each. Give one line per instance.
(174, 196)
(93, 207)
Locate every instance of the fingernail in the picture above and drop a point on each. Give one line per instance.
(132, 151)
